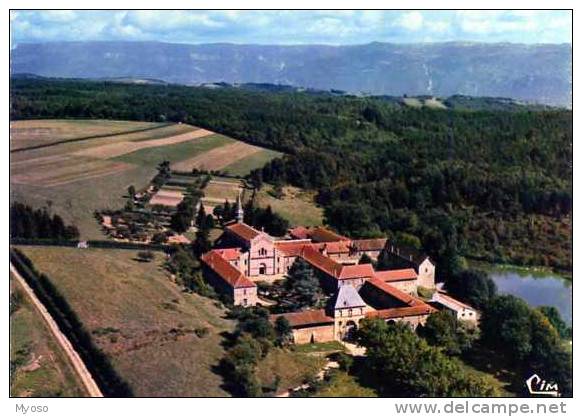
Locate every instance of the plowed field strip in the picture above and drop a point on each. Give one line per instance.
(122, 148)
(218, 158)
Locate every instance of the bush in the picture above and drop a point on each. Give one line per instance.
(344, 360)
(145, 256)
(201, 331)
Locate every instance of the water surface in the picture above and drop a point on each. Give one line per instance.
(538, 289)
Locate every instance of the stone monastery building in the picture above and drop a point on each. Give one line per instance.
(245, 255)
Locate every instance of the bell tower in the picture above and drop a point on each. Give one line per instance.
(240, 214)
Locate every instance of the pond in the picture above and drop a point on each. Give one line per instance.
(536, 288)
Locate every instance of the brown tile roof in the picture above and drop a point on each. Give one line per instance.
(393, 313)
(226, 271)
(369, 244)
(395, 292)
(304, 318)
(243, 230)
(321, 234)
(397, 275)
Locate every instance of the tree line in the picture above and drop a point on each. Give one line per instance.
(442, 176)
(29, 223)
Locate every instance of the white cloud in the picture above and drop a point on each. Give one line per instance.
(438, 26)
(410, 20)
(288, 26)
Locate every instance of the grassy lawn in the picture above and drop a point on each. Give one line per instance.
(217, 191)
(75, 202)
(342, 384)
(325, 347)
(292, 367)
(176, 152)
(296, 205)
(140, 319)
(244, 166)
(502, 387)
(42, 369)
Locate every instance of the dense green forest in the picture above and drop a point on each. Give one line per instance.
(487, 183)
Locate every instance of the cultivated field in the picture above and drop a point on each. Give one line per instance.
(41, 369)
(77, 177)
(220, 189)
(167, 197)
(26, 133)
(256, 160)
(221, 158)
(141, 320)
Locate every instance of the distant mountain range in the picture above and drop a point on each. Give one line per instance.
(533, 73)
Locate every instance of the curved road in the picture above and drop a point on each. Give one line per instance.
(78, 364)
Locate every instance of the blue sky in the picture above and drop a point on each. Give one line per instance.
(293, 27)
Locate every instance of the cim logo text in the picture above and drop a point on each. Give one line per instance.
(539, 386)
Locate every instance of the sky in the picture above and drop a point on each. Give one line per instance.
(292, 27)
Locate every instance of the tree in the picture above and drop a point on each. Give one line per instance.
(209, 222)
(365, 259)
(524, 335)
(302, 287)
(28, 223)
(241, 361)
(218, 211)
(405, 365)
(444, 330)
(201, 243)
(201, 217)
(131, 192)
(180, 222)
(283, 330)
(129, 205)
(553, 315)
(473, 286)
(159, 238)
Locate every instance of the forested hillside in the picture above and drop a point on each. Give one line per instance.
(487, 183)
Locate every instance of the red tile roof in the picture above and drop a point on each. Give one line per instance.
(243, 230)
(321, 234)
(291, 247)
(226, 271)
(369, 244)
(393, 313)
(299, 232)
(230, 254)
(320, 261)
(395, 292)
(304, 318)
(397, 275)
(333, 247)
(356, 271)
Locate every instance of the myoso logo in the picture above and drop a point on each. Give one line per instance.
(539, 386)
